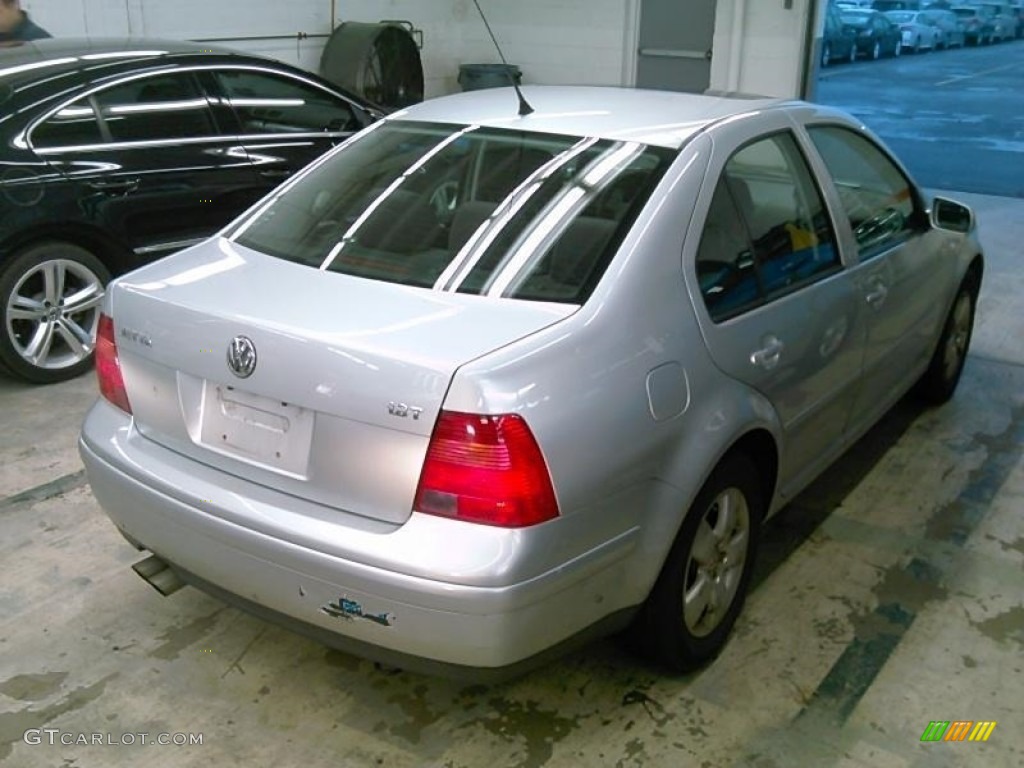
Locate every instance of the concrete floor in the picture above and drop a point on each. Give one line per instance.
(889, 595)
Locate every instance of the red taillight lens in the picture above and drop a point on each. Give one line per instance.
(108, 367)
(485, 469)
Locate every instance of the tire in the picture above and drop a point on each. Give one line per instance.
(826, 55)
(899, 49)
(853, 53)
(876, 51)
(938, 383)
(680, 624)
(50, 299)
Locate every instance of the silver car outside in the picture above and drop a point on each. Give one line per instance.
(668, 411)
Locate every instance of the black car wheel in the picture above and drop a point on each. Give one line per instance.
(853, 53)
(702, 586)
(826, 55)
(876, 50)
(50, 294)
(939, 381)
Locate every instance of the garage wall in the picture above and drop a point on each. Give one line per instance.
(757, 43)
(583, 42)
(552, 41)
(759, 46)
(191, 19)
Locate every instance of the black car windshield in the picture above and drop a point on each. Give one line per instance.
(463, 208)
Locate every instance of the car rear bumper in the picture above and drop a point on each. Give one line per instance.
(177, 509)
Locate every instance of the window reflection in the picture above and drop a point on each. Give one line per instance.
(767, 230)
(476, 210)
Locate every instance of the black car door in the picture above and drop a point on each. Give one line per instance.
(158, 172)
(285, 121)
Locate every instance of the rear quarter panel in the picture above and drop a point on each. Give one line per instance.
(582, 386)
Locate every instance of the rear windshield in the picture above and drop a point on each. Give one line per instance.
(895, 5)
(463, 208)
(856, 18)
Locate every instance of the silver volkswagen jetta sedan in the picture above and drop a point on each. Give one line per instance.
(477, 384)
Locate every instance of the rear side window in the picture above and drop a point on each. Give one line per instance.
(271, 103)
(767, 231)
(74, 126)
(156, 108)
(462, 208)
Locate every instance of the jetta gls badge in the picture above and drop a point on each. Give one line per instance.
(242, 357)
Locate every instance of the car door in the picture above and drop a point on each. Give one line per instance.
(897, 277)
(781, 313)
(150, 162)
(284, 121)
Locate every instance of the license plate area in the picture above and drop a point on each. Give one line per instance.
(256, 429)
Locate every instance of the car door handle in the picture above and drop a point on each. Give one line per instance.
(876, 296)
(116, 186)
(276, 173)
(769, 355)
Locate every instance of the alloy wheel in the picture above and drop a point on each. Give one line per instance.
(716, 562)
(959, 336)
(52, 313)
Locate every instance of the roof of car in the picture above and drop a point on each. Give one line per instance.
(661, 118)
(23, 61)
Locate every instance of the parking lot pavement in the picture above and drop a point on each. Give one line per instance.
(889, 595)
(953, 117)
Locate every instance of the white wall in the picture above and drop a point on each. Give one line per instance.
(551, 41)
(757, 45)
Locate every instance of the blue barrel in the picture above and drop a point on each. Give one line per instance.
(474, 77)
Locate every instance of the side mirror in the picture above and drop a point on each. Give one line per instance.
(951, 215)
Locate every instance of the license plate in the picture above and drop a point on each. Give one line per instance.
(257, 429)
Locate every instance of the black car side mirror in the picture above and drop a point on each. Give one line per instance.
(951, 215)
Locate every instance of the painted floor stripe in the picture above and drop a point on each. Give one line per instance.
(45, 491)
(857, 667)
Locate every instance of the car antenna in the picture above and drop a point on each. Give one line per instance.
(524, 106)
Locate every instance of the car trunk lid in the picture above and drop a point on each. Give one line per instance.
(348, 379)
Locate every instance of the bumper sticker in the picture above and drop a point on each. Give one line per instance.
(347, 609)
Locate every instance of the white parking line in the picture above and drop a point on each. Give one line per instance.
(976, 74)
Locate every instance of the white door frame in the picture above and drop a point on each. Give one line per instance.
(631, 44)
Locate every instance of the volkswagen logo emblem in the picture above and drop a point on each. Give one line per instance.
(242, 357)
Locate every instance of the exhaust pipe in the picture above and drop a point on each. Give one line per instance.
(159, 575)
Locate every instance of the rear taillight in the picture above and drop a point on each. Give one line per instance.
(108, 367)
(485, 469)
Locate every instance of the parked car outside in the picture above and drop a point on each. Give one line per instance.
(1018, 11)
(1005, 20)
(876, 35)
(838, 43)
(117, 152)
(883, 6)
(979, 27)
(477, 384)
(916, 33)
(951, 31)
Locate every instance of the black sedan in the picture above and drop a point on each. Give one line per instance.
(876, 35)
(116, 152)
